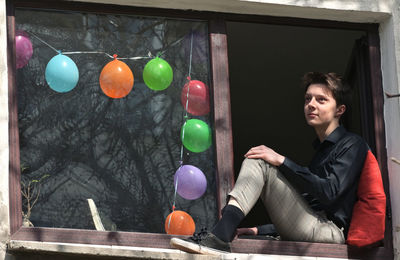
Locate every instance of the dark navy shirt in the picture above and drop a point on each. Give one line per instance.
(329, 183)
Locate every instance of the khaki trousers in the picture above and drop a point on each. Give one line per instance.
(290, 213)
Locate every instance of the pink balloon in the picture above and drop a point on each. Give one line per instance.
(199, 98)
(191, 182)
(23, 48)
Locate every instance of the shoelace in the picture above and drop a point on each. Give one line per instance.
(201, 235)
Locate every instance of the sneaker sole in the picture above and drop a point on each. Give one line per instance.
(190, 247)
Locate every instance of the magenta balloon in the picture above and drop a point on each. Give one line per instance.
(191, 182)
(23, 48)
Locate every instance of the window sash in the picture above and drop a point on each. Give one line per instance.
(223, 134)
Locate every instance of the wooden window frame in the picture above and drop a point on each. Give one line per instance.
(223, 134)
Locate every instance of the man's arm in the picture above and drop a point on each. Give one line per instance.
(338, 175)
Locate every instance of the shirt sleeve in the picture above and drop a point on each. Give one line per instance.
(337, 175)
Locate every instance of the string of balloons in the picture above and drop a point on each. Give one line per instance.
(116, 78)
(116, 81)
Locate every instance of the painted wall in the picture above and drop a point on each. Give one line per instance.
(4, 219)
(385, 12)
(390, 51)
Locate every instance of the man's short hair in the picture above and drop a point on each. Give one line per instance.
(340, 91)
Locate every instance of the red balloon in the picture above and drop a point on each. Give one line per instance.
(199, 98)
(116, 79)
(179, 223)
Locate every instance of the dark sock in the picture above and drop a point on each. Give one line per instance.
(226, 226)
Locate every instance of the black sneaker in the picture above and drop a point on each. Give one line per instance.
(203, 242)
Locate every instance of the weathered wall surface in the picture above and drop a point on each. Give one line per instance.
(390, 51)
(351, 10)
(4, 219)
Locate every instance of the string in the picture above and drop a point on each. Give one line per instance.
(190, 62)
(173, 205)
(88, 52)
(149, 55)
(185, 117)
(43, 42)
(163, 50)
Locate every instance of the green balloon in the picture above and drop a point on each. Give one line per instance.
(196, 135)
(157, 74)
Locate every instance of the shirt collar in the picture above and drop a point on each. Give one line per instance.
(334, 137)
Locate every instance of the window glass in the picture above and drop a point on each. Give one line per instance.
(77, 143)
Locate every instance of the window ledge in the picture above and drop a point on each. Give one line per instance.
(26, 247)
(100, 250)
(156, 246)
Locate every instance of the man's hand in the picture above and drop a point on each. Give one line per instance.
(265, 153)
(252, 231)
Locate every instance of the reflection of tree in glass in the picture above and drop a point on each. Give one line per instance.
(30, 190)
(122, 153)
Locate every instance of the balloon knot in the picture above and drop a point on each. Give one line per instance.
(173, 208)
(59, 51)
(185, 117)
(115, 56)
(189, 78)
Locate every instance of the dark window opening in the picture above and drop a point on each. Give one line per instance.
(266, 63)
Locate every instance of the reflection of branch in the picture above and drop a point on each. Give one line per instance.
(395, 160)
(392, 95)
(30, 190)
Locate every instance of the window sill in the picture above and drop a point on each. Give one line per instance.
(27, 247)
(85, 250)
(305, 249)
(34, 247)
(156, 246)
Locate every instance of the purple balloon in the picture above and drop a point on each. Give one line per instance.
(191, 182)
(23, 48)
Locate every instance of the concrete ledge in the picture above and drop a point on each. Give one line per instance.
(102, 250)
(134, 252)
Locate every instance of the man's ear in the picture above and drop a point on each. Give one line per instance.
(340, 110)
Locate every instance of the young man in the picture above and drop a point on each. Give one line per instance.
(311, 203)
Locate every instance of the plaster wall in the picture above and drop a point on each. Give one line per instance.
(349, 10)
(390, 51)
(385, 12)
(4, 219)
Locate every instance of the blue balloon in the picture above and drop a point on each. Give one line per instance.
(61, 74)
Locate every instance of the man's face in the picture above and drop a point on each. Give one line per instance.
(320, 108)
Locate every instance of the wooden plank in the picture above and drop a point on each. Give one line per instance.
(307, 249)
(379, 126)
(94, 237)
(15, 207)
(248, 246)
(222, 110)
(95, 215)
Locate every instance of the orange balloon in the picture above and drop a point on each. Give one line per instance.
(116, 79)
(179, 223)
